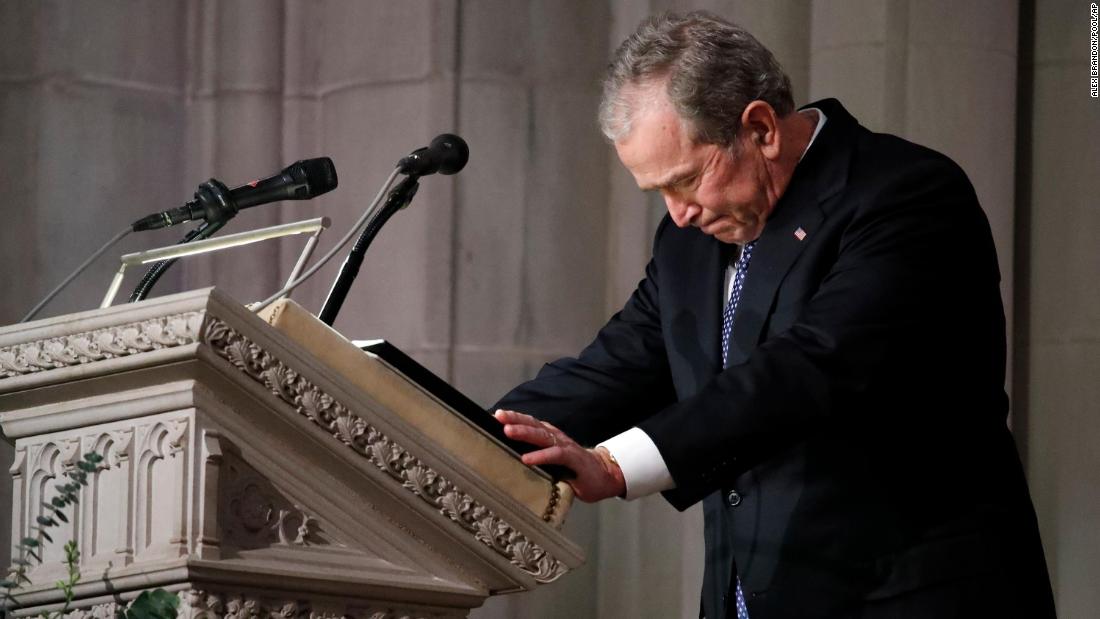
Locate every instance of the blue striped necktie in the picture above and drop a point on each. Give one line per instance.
(739, 270)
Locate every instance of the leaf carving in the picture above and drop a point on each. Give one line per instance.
(389, 457)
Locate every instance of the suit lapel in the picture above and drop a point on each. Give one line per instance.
(707, 294)
(791, 227)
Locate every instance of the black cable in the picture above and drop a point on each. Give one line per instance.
(80, 269)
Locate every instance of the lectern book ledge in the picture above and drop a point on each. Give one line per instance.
(444, 417)
(452, 399)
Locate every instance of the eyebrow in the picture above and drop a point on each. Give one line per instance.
(671, 181)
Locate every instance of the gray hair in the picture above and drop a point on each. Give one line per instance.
(711, 69)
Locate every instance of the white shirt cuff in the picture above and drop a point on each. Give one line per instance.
(643, 466)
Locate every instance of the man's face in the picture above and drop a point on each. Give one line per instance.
(703, 185)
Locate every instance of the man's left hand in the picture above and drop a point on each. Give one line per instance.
(598, 476)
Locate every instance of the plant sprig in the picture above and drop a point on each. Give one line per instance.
(154, 604)
(52, 516)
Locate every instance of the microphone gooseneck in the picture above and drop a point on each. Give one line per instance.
(446, 154)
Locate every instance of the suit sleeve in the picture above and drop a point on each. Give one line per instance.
(619, 379)
(911, 291)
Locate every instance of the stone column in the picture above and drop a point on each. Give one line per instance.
(233, 130)
(1059, 304)
(366, 83)
(531, 221)
(91, 135)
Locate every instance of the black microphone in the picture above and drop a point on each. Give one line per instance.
(300, 180)
(446, 154)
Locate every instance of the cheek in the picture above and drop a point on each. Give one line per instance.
(716, 199)
(728, 202)
(759, 207)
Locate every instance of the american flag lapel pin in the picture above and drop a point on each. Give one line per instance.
(800, 233)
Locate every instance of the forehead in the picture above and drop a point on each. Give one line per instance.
(658, 146)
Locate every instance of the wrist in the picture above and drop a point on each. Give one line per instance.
(611, 465)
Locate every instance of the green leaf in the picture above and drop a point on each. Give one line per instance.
(58, 502)
(7, 584)
(46, 521)
(35, 555)
(29, 542)
(93, 457)
(155, 604)
(45, 535)
(60, 515)
(87, 467)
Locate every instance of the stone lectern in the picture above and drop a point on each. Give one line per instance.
(252, 478)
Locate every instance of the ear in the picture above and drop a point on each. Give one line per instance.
(760, 126)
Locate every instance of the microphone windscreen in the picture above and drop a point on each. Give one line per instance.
(319, 174)
(452, 151)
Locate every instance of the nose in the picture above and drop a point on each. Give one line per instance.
(682, 211)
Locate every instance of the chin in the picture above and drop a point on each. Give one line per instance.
(738, 237)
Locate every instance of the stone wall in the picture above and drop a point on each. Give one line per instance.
(109, 112)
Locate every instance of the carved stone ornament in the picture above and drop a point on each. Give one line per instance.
(99, 611)
(200, 604)
(121, 443)
(257, 516)
(69, 450)
(393, 459)
(100, 344)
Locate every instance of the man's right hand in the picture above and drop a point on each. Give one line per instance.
(597, 475)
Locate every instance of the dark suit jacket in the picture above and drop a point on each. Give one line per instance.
(862, 418)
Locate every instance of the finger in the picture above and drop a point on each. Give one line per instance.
(507, 416)
(571, 456)
(563, 438)
(535, 435)
(551, 455)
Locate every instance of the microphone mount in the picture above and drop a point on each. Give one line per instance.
(218, 207)
(446, 154)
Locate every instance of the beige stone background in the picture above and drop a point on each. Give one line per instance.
(111, 110)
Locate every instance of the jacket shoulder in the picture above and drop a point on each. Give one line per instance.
(881, 159)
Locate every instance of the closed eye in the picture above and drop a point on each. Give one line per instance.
(686, 183)
(675, 185)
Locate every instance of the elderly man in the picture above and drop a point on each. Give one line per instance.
(816, 352)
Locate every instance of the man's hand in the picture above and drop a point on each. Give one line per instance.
(598, 477)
